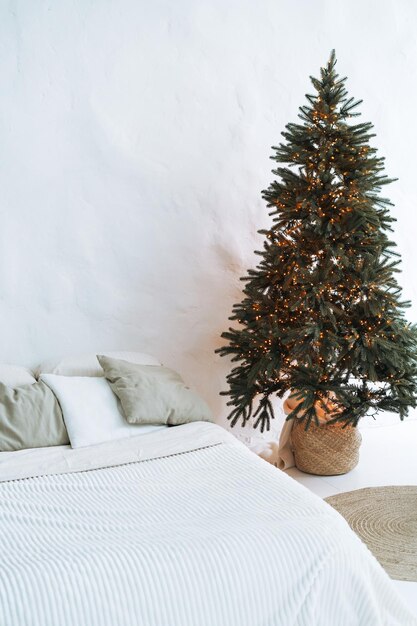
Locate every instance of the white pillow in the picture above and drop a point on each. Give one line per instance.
(87, 364)
(90, 409)
(15, 376)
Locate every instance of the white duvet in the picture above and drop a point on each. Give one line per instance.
(181, 527)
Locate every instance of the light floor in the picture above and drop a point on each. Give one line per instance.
(388, 457)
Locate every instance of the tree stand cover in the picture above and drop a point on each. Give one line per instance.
(325, 450)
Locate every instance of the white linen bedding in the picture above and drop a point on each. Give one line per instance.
(181, 527)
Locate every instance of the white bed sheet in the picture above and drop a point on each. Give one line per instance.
(64, 459)
(182, 527)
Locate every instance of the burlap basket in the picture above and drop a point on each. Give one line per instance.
(325, 450)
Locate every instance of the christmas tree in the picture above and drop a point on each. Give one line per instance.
(322, 314)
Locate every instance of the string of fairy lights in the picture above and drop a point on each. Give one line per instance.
(355, 292)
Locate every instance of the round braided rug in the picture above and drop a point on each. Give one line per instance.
(385, 518)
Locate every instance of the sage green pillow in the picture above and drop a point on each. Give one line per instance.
(30, 417)
(150, 394)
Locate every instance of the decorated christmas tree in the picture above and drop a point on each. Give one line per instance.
(322, 314)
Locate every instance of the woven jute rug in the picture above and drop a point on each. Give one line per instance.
(385, 518)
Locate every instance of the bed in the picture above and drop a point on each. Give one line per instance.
(180, 527)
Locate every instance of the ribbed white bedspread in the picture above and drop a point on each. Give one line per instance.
(179, 535)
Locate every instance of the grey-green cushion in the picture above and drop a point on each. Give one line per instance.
(150, 394)
(30, 417)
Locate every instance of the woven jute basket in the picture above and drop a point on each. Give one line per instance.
(325, 450)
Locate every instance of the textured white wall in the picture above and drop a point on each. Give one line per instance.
(134, 143)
